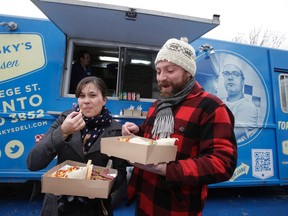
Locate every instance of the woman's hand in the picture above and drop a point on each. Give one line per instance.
(129, 128)
(73, 123)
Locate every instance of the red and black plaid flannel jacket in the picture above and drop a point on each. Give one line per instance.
(207, 153)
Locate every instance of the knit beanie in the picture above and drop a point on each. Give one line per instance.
(180, 53)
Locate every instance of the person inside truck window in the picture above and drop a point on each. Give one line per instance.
(76, 135)
(204, 128)
(245, 112)
(80, 69)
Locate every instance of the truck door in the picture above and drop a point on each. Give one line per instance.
(280, 86)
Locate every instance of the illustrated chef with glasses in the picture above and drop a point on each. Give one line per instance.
(245, 112)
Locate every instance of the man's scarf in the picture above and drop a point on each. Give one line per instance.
(164, 122)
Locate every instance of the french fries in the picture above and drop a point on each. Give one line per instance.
(124, 139)
(63, 172)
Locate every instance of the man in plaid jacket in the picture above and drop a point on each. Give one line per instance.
(203, 126)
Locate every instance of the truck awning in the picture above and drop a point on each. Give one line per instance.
(103, 22)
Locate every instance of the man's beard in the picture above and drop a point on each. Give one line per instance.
(175, 87)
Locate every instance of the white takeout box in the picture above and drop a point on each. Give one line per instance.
(140, 153)
(76, 187)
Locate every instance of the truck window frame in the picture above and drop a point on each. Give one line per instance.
(125, 52)
(283, 92)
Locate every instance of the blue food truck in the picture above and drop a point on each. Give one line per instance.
(36, 58)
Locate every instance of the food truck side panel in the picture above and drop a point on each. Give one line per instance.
(262, 154)
(31, 65)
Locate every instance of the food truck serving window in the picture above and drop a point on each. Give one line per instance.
(123, 68)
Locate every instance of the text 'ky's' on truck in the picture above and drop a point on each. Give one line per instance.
(36, 57)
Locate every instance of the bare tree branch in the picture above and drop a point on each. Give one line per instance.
(266, 38)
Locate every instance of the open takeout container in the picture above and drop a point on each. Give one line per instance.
(140, 153)
(77, 187)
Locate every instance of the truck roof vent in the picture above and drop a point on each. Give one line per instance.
(131, 14)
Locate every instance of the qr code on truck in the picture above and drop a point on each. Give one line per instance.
(262, 163)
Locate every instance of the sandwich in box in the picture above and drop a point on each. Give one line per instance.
(78, 179)
(138, 149)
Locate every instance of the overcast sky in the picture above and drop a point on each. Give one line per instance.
(236, 17)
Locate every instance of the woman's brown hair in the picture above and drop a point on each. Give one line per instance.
(98, 82)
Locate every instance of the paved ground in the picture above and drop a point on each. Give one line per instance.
(256, 201)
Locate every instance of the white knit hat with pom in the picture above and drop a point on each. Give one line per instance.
(180, 53)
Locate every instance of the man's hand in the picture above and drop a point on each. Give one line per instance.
(129, 128)
(159, 169)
